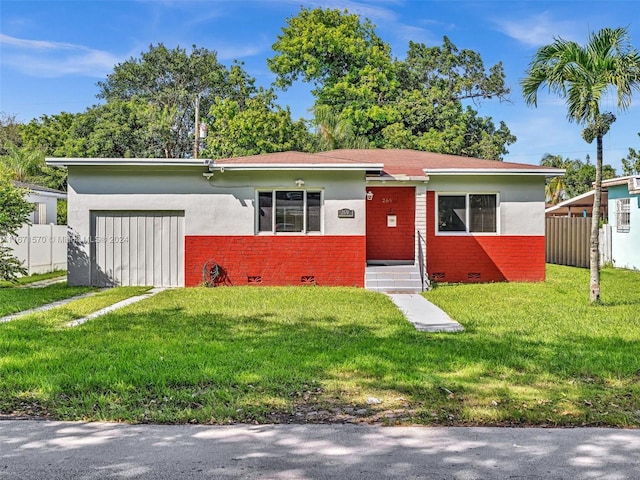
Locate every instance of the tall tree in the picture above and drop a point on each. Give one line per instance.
(252, 125)
(582, 75)
(415, 103)
(50, 134)
(121, 129)
(170, 80)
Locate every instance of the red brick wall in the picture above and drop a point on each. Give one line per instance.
(495, 258)
(391, 243)
(278, 260)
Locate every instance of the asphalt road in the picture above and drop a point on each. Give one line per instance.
(62, 450)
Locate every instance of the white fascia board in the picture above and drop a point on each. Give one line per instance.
(40, 193)
(619, 181)
(569, 202)
(397, 178)
(547, 172)
(120, 162)
(296, 166)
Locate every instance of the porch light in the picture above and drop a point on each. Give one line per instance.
(299, 182)
(369, 195)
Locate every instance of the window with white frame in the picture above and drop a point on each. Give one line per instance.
(623, 214)
(297, 211)
(468, 213)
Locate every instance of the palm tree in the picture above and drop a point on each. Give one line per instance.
(582, 75)
(22, 162)
(334, 131)
(556, 189)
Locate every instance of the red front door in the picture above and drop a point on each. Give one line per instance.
(391, 223)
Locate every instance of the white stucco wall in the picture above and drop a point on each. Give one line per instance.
(223, 205)
(51, 203)
(625, 246)
(521, 198)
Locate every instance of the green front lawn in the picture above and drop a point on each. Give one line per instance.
(36, 277)
(532, 354)
(14, 299)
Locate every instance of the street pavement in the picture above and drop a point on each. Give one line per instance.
(67, 450)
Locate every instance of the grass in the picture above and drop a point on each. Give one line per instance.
(532, 354)
(13, 300)
(36, 277)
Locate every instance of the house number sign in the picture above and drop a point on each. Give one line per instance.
(346, 213)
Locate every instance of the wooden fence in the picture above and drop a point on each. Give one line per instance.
(567, 241)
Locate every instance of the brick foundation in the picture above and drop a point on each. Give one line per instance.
(278, 260)
(482, 258)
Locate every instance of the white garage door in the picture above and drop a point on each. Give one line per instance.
(137, 248)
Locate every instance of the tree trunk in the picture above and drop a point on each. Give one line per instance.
(594, 245)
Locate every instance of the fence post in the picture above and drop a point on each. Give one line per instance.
(28, 240)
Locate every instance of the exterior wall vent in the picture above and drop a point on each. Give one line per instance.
(308, 279)
(254, 279)
(473, 276)
(437, 276)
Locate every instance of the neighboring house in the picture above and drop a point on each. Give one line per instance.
(293, 218)
(45, 200)
(41, 246)
(624, 219)
(578, 206)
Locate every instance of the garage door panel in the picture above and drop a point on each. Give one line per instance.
(138, 248)
(141, 233)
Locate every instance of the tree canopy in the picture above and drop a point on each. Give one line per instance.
(578, 178)
(415, 103)
(253, 125)
(168, 81)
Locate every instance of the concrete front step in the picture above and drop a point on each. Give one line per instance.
(393, 278)
(388, 283)
(395, 289)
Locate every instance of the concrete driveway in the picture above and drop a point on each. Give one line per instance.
(63, 450)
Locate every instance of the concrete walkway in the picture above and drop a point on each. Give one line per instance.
(67, 450)
(115, 306)
(423, 314)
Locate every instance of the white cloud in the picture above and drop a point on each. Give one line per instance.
(538, 30)
(369, 10)
(42, 58)
(239, 51)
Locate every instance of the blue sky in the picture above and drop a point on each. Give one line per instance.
(52, 53)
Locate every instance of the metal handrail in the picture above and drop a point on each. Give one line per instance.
(421, 259)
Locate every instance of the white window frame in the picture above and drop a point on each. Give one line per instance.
(623, 215)
(467, 214)
(273, 191)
